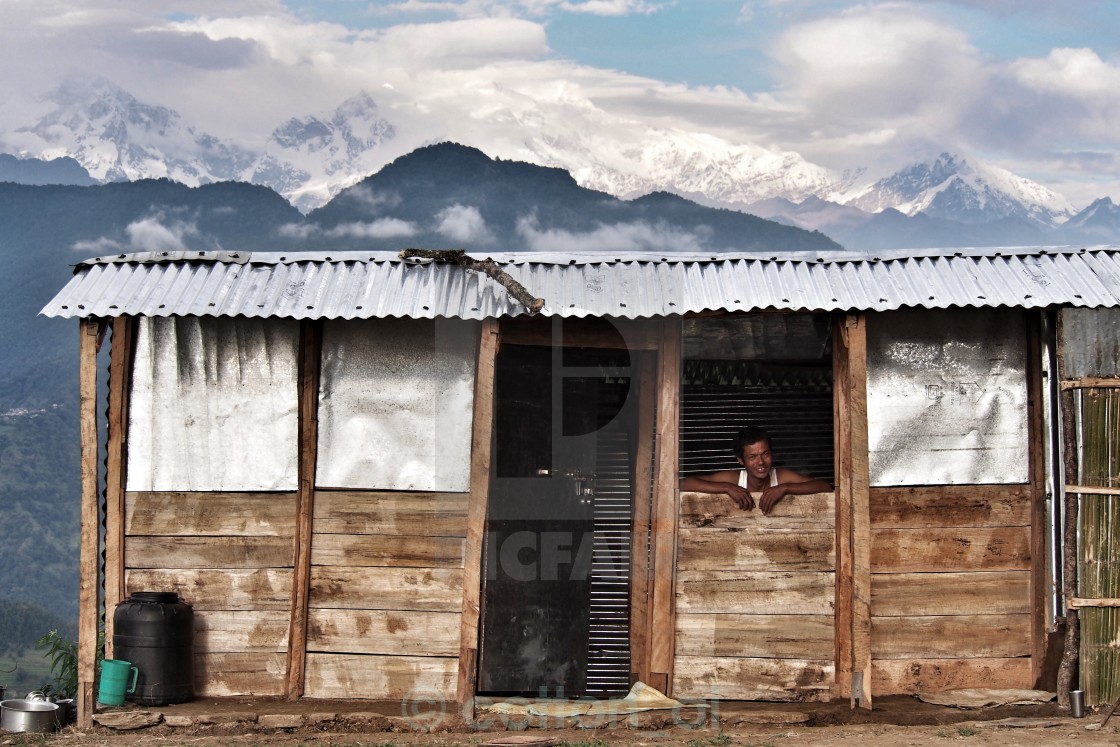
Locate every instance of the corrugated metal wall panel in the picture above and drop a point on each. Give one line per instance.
(1090, 342)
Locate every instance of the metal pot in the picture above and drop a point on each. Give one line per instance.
(28, 715)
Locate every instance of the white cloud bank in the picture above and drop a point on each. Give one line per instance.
(463, 223)
(615, 237)
(153, 233)
(877, 82)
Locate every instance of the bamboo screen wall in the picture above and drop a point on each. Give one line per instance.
(1096, 442)
(1090, 363)
(755, 599)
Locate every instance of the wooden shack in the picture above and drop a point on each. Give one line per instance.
(385, 479)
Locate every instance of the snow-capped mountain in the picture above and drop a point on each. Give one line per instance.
(332, 149)
(1098, 222)
(118, 138)
(960, 190)
(701, 167)
(308, 159)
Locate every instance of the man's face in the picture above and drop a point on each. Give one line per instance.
(756, 458)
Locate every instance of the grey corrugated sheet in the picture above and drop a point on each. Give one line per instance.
(360, 285)
(1089, 343)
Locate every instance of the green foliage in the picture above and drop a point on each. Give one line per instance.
(40, 493)
(966, 731)
(63, 656)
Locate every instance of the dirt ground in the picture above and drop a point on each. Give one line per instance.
(865, 735)
(896, 722)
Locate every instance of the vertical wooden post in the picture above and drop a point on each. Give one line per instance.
(88, 571)
(861, 509)
(640, 578)
(120, 374)
(1037, 492)
(841, 399)
(853, 509)
(481, 441)
(310, 346)
(666, 510)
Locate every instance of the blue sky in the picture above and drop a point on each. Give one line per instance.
(723, 42)
(1033, 87)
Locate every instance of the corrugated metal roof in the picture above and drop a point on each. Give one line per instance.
(378, 284)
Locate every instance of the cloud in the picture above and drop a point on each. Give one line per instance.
(875, 62)
(300, 231)
(151, 234)
(1078, 74)
(191, 49)
(849, 85)
(463, 223)
(383, 228)
(154, 233)
(620, 237)
(372, 199)
(477, 8)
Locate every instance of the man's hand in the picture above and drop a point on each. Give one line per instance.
(771, 496)
(742, 497)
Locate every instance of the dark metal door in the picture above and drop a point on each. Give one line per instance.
(539, 554)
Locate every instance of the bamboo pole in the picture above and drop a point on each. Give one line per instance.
(1089, 383)
(1089, 602)
(1072, 645)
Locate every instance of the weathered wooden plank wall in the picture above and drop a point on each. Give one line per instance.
(386, 595)
(229, 555)
(951, 592)
(755, 613)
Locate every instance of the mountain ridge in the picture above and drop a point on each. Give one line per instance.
(311, 158)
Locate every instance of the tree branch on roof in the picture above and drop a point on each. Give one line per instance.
(488, 266)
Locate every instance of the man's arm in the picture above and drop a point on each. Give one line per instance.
(791, 483)
(725, 482)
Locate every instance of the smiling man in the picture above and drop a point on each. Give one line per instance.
(759, 475)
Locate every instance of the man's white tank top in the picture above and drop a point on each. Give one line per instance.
(743, 477)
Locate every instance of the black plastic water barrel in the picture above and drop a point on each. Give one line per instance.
(155, 632)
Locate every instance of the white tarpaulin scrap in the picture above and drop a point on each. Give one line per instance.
(396, 404)
(947, 397)
(213, 404)
(641, 697)
(986, 698)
